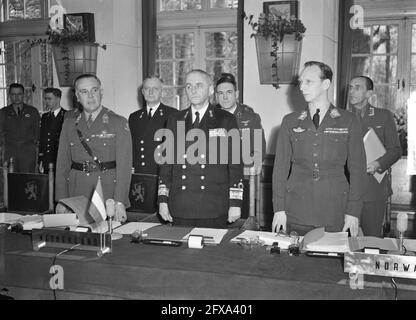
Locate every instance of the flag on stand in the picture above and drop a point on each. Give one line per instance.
(97, 207)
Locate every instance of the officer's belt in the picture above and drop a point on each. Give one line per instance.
(88, 166)
(317, 173)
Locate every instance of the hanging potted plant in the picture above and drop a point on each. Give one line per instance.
(278, 43)
(73, 53)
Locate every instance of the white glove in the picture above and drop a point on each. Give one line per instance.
(279, 220)
(234, 213)
(164, 212)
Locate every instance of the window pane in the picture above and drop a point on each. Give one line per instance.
(165, 72)
(25, 62)
(413, 69)
(3, 98)
(386, 97)
(361, 40)
(176, 5)
(16, 9)
(184, 46)
(384, 69)
(33, 9)
(216, 67)
(28, 96)
(224, 3)
(361, 66)
(385, 39)
(169, 97)
(414, 38)
(182, 67)
(221, 44)
(165, 46)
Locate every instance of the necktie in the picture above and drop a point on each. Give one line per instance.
(196, 122)
(19, 111)
(316, 119)
(89, 121)
(149, 115)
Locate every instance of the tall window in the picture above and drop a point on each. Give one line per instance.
(386, 52)
(194, 34)
(23, 10)
(24, 59)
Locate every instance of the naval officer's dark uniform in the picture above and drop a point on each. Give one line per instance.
(201, 194)
(376, 194)
(50, 131)
(143, 132)
(20, 135)
(110, 142)
(317, 192)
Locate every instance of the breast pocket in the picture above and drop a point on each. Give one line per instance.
(336, 147)
(300, 144)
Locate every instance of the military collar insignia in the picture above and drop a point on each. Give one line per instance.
(239, 114)
(371, 111)
(303, 115)
(186, 115)
(161, 112)
(211, 114)
(27, 115)
(299, 130)
(334, 113)
(245, 123)
(105, 118)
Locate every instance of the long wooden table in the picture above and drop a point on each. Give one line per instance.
(226, 272)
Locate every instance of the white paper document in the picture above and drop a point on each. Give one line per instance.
(211, 236)
(318, 240)
(267, 237)
(131, 227)
(374, 149)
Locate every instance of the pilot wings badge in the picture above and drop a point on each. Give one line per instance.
(299, 130)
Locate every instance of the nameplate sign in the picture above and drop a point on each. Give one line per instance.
(386, 265)
(52, 238)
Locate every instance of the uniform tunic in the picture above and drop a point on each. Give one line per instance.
(376, 194)
(110, 140)
(203, 190)
(308, 178)
(20, 135)
(50, 131)
(142, 133)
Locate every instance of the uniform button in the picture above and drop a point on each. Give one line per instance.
(71, 144)
(185, 156)
(316, 165)
(184, 167)
(315, 144)
(143, 164)
(142, 142)
(183, 177)
(159, 147)
(142, 149)
(316, 134)
(158, 139)
(49, 134)
(88, 140)
(202, 178)
(105, 144)
(315, 154)
(202, 187)
(202, 156)
(203, 166)
(183, 187)
(159, 154)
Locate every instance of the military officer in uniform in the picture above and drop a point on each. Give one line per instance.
(95, 144)
(143, 125)
(50, 129)
(382, 121)
(313, 146)
(247, 120)
(199, 191)
(19, 131)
